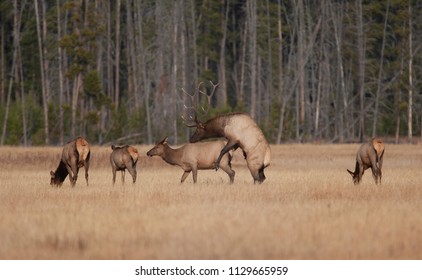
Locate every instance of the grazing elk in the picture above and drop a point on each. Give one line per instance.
(369, 155)
(194, 157)
(241, 131)
(75, 154)
(123, 158)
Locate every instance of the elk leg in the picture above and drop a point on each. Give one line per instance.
(375, 173)
(123, 176)
(114, 175)
(361, 171)
(75, 170)
(69, 171)
(132, 172)
(229, 172)
(230, 145)
(86, 166)
(380, 166)
(184, 176)
(195, 174)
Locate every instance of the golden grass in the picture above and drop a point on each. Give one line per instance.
(307, 208)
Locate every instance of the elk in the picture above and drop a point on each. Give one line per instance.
(240, 130)
(193, 157)
(369, 155)
(123, 158)
(75, 154)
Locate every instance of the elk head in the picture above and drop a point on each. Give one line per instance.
(158, 149)
(55, 180)
(355, 176)
(190, 118)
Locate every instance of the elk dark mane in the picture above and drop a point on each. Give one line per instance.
(61, 173)
(224, 116)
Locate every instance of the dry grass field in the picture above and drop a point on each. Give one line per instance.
(308, 208)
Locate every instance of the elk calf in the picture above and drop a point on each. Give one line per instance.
(75, 154)
(123, 158)
(369, 155)
(194, 157)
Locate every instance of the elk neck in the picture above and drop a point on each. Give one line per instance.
(173, 156)
(61, 172)
(215, 127)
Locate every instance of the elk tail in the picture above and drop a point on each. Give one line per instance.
(267, 157)
(133, 153)
(82, 147)
(378, 145)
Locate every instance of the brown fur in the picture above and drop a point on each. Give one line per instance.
(369, 155)
(123, 158)
(75, 154)
(241, 131)
(193, 157)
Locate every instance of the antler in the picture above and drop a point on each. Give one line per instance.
(208, 96)
(190, 119)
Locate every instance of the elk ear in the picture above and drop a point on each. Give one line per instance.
(200, 125)
(164, 141)
(351, 173)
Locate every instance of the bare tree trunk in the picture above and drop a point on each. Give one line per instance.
(251, 13)
(338, 35)
(398, 104)
(410, 100)
(174, 71)
(117, 51)
(195, 52)
(241, 95)
(45, 52)
(43, 73)
(361, 62)
(75, 97)
(145, 82)
(269, 80)
(9, 93)
(22, 91)
(280, 73)
(110, 86)
(133, 76)
(380, 73)
(301, 63)
(222, 88)
(2, 66)
(61, 90)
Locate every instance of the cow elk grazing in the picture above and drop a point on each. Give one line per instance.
(241, 131)
(194, 157)
(123, 158)
(369, 155)
(75, 154)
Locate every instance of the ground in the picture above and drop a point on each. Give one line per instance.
(308, 208)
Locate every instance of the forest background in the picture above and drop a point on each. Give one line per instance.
(116, 71)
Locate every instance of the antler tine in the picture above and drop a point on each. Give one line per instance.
(189, 122)
(209, 96)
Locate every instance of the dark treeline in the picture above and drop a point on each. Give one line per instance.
(116, 71)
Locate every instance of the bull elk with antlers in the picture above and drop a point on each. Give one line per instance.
(240, 130)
